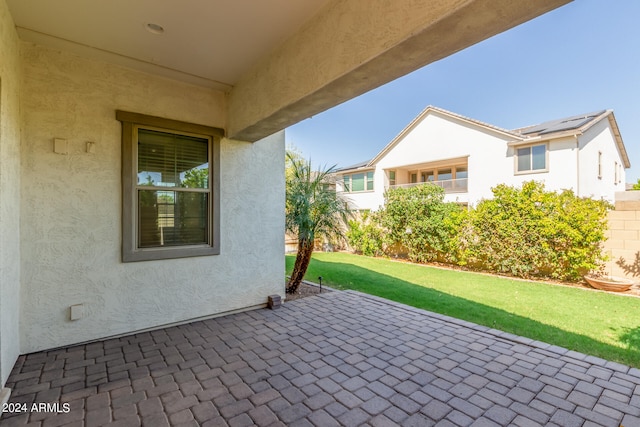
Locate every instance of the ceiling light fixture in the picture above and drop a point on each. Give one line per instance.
(154, 28)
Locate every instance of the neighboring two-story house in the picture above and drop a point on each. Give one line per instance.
(467, 158)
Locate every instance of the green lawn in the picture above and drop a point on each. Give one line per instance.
(596, 323)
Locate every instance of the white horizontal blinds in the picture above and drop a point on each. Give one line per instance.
(175, 220)
(172, 160)
(173, 189)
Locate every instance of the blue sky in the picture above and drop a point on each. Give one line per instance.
(580, 58)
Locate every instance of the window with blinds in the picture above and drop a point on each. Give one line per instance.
(531, 159)
(170, 197)
(179, 162)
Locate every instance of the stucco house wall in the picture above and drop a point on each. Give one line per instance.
(9, 194)
(71, 208)
(561, 170)
(367, 200)
(573, 164)
(439, 139)
(597, 139)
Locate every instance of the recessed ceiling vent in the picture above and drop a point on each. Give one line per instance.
(154, 28)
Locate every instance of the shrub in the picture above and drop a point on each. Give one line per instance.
(418, 220)
(532, 232)
(525, 232)
(365, 236)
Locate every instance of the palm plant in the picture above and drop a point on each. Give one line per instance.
(313, 209)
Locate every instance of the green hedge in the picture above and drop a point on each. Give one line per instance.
(418, 220)
(365, 236)
(525, 232)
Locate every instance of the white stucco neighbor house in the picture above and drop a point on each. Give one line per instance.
(142, 146)
(467, 158)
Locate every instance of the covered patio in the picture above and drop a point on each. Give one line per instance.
(101, 239)
(340, 358)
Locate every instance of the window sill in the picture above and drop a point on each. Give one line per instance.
(358, 192)
(531, 172)
(150, 254)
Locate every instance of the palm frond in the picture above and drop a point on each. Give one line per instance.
(313, 209)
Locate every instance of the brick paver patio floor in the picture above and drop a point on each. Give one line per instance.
(341, 358)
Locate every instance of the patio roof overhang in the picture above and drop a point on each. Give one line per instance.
(325, 64)
(278, 64)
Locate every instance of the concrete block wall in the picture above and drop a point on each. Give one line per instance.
(623, 237)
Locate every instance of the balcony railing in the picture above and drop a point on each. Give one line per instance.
(449, 185)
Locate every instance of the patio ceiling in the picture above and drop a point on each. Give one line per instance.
(208, 43)
(280, 61)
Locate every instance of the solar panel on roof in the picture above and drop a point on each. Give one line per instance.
(356, 166)
(565, 124)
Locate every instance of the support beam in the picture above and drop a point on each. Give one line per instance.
(354, 46)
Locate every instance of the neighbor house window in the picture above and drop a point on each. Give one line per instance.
(444, 174)
(392, 178)
(369, 181)
(170, 205)
(620, 172)
(531, 159)
(358, 182)
(427, 176)
(462, 172)
(599, 164)
(460, 183)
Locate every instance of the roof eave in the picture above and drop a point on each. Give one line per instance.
(352, 170)
(619, 142)
(545, 138)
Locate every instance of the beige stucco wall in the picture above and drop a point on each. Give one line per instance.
(9, 194)
(623, 237)
(71, 208)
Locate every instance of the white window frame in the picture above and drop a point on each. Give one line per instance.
(620, 172)
(131, 252)
(599, 164)
(531, 171)
(348, 185)
(392, 181)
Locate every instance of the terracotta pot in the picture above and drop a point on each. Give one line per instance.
(611, 284)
